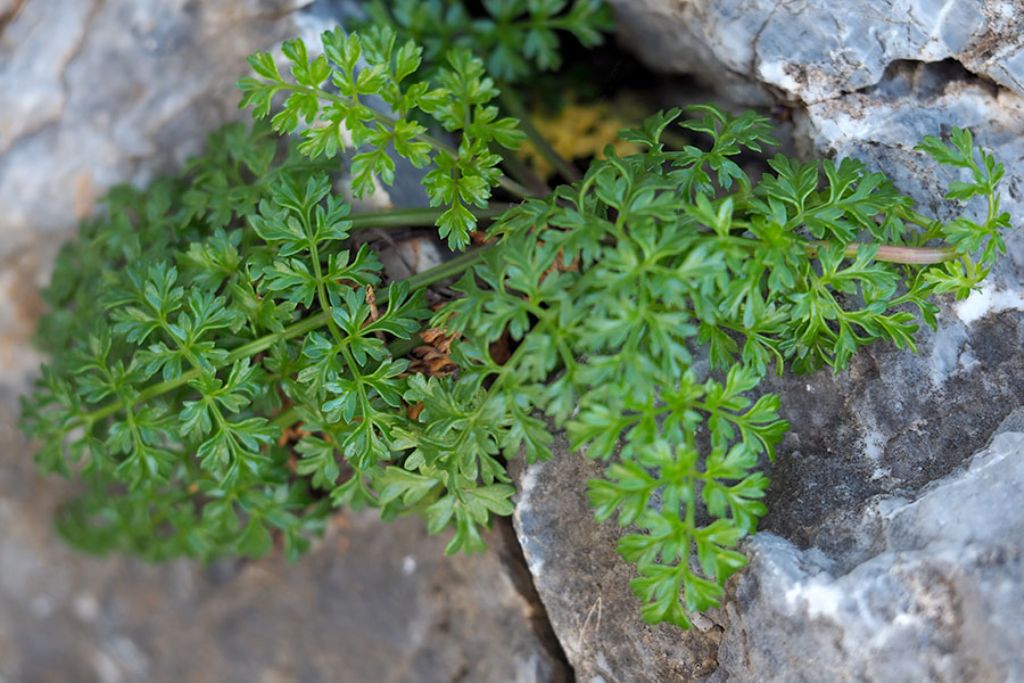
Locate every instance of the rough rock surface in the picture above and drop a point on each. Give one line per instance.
(96, 93)
(866, 79)
(938, 581)
(372, 602)
(935, 600)
(815, 50)
(102, 92)
(930, 589)
(584, 583)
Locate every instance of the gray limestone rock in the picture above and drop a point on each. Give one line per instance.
(97, 93)
(866, 79)
(937, 596)
(815, 50)
(855, 577)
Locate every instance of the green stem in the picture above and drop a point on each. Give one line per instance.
(890, 253)
(408, 218)
(515, 106)
(521, 172)
(428, 277)
(321, 290)
(353, 367)
(887, 253)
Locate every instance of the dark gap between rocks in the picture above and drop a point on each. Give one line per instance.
(924, 80)
(511, 555)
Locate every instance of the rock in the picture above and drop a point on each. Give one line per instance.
(584, 584)
(97, 93)
(816, 50)
(893, 422)
(881, 124)
(889, 588)
(373, 601)
(937, 596)
(867, 80)
(405, 257)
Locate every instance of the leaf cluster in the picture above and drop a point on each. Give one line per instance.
(515, 38)
(170, 368)
(238, 376)
(333, 97)
(618, 288)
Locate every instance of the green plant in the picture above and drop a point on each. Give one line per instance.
(515, 38)
(228, 359)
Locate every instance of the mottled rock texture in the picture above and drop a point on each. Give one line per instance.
(866, 79)
(885, 557)
(889, 554)
(928, 589)
(815, 50)
(102, 92)
(96, 93)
